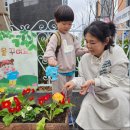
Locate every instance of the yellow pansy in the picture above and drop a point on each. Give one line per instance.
(58, 97)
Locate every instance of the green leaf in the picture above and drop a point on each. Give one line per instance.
(57, 112)
(8, 119)
(23, 32)
(22, 42)
(29, 37)
(34, 34)
(37, 110)
(47, 113)
(31, 47)
(4, 112)
(35, 48)
(3, 98)
(16, 41)
(53, 105)
(23, 38)
(41, 124)
(18, 36)
(17, 114)
(27, 44)
(68, 105)
(31, 102)
(1, 38)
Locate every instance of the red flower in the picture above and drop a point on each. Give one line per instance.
(27, 91)
(63, 94)
(40, 101)
(17, 101)
(12, 110)
(33, 90)
(47, 97)
(31, 98)
(23, 92)
(63, 101)
(0, 107)
(18, 108)
(41, 97)
(6, 104)
(68, 100)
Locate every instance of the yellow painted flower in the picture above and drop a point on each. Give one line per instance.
(2, 90)
(58, 97)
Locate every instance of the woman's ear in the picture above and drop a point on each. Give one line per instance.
(107, 40)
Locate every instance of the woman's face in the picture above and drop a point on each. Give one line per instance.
(94, 46)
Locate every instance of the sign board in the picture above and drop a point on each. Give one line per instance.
(18, 61)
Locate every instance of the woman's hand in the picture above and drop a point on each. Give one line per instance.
(52, 62)
(85, 86)
(69, 85)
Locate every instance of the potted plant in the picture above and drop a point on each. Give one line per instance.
(26, 112)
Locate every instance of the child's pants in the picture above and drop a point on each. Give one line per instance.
(57, 86)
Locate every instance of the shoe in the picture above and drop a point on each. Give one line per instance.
(71, 120)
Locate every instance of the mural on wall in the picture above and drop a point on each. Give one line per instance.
(18, 61)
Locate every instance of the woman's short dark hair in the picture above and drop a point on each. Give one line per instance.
(64, 13)
(101, 31)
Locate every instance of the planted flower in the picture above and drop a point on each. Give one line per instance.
(25, 108)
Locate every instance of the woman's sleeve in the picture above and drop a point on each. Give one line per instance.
(78, 81)
(118, 74)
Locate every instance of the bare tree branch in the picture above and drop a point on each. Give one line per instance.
(118, 7)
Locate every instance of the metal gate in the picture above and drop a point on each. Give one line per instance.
(44, 29)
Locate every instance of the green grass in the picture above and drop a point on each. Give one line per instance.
(22, 82)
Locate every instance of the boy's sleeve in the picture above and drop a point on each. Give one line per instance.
(78, 49)
(51, 48)
(79, 81)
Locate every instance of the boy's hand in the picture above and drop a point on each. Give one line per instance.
(85, 87)
(52, 62)
(85, 50)
(69, 85)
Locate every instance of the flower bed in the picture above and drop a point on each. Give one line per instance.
(32, 126)
(21, 112)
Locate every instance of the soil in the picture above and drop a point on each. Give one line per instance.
(58, 119)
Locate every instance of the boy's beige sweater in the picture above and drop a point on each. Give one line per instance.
(67, 53)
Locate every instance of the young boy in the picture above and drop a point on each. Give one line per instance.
(69, 49)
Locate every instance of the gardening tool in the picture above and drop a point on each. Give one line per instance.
(52, 71)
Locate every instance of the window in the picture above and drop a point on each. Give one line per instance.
(30, 2)
(6, 3)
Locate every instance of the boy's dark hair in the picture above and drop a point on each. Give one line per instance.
(102, 30)
(64, 13)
